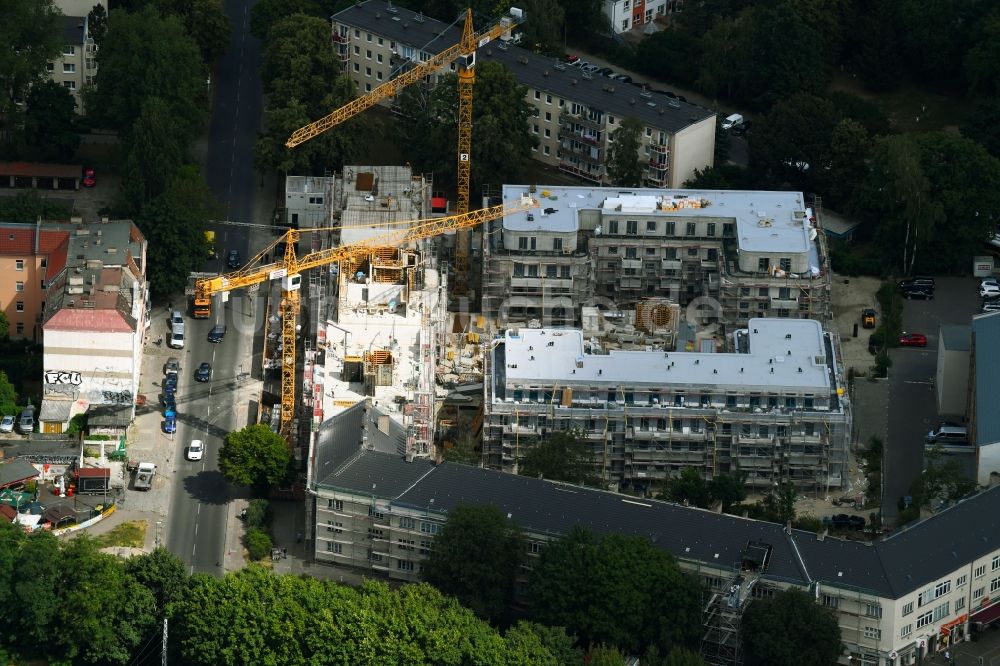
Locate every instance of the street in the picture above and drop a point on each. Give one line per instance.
(196, 523)
(912, 402)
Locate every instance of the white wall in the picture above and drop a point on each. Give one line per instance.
(95, 361)
(988, 463)
(691, 148)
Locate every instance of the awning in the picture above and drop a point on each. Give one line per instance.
(987, 615)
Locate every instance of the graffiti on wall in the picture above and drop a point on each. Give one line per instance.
(60, 377)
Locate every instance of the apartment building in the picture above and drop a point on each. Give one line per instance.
(753, 253)
(575, 112)
(30, 254)
(626, 15)
(94, 322)
(774, 409)
(76, 66)
(897, 600)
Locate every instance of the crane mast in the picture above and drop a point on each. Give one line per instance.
(289, 268)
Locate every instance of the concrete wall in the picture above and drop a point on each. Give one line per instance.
(952, 380)
(692, 148)
(95, 361)
(988, 464)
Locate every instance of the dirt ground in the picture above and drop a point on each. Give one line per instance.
(849, 296)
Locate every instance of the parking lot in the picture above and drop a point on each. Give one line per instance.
(912, 402)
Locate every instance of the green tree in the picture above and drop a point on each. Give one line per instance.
(796, 131)
(205, 21)
(11, 540)
(982, 62)
(543, 35)
(982, 124)
(149, 56)
(174, 223)
(670, 55)
(605, 655)
(463, 449)
(725, 177)
(97, 24)
(790, 629)
(258, 543)
(475, 558)
(267, 13)
(4, 325)
(679, 656)
(95, 587)
(259, 514)
(162, 573)
(555, 639)
(624, 167)
(873, 44)
(50, 122)
(850, 149)
(582, 17)
(863, 111)
(8, 396)
(728, 488)
(582, 582)
(689, 488)
(155, 149)
(562, 456)
(780, 503)
(943, 479)
(31, 38)
(254, 456)
(37, 577)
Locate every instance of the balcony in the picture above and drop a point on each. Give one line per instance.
(528, 282)
(784, 304)
(657, 164)
(567, 118)
(670, 264)
(631, 263)
(511, 429)
(588, 153)
(593, 175)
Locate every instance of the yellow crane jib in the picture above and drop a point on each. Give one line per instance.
(390, 88)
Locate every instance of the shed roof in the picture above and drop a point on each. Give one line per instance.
(16, 471)
(58, 514)
(109, 416)
(985, 341)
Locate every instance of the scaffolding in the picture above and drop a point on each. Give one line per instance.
(420, 428)
(723, 614)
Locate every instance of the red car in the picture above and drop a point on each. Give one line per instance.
(913, 340)
(572, 58)
(89, 177)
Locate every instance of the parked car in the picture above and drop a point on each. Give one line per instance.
(169, 403)
(873, 345)
(916, 282)
(591, 69)
(682, 98)
(990, 307)
(845, 521)
(989, 281)
(176, 318)
(868, 318)
(177, 337)
(7, 424)
(170, 424)
(233, 260)
(170, 382)
(605, 71)
(26, 424)
(217, 333)
(196, 449)
(89, 177)
(172, 366)
(203, 373)
(572, 58)
(579, 63)
(913, 340)
(989, 292)
(671, 94)
(919, 294)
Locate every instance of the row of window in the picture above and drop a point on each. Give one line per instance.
(552, 271)
(628, 397)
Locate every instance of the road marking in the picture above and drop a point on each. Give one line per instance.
(918, 382)
(193, 549)
(198, 512)
(196, 529)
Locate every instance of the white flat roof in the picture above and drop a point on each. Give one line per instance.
(766, 221)
(783, 353)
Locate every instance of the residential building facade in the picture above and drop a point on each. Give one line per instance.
(29, 255)
(896, 600)
(626, 15)
(576, 113)
(737, 254)
(94, 322)
(775, 409)
(76, 66)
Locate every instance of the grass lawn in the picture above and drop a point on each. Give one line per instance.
(131, 534)
(911, 108)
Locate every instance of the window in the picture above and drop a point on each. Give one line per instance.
(404, 544)
(873, 610)
(316, 200)
(830, 601)
(425, 547)
(538, 95)
(375, 513)
(336, 505)
(631, 227)
(941, 612)
(545, 149)
(942, 589)
(924, 620)
(763, 264)
(368, 71)
(368, 54)
(20, 306)
(407, 523)
(959, 603)
(380, 42)
(378, 75)
(551, 271)
(996, 562)
(357, 50)
(45, 263)
(691, 229)
(404, 565)
(631, 253)
(906, 630)
(564, 272)
(994, 584)
(378, 58)
(357, 33)
(334, 548)
(980, 571)
(69, 49)
(357, 67)
(548, 117)
(19, 286)
(785, 264)
(332, 526)
(548, 99)
(728, 229)
(873, 632)
(375, 534)
(522, 243)
(531, 242)
(557, 244)
(978, 594)
(69, 68)
(534, 128)
(548, 133)
(19, 265)
(368, 87)
(710, 231)
(961, 580)
(50, 67)
(650, 225)
(907, 608)
(368, 37)
(19, 329)
(613, 226)
(429, 528)
(671, 228)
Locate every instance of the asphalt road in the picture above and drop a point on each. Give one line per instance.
(912, 401)
(207, 411)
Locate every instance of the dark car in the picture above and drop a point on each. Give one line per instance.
(682, 98)
(170, 384)
(203, 373)
(217, 333)
(625, 78)
(169, 403)
(873, 345)
(916, 282)
(742, 129)
(604, 71)
(844, 521)
(669, 93)
(233, 260)
(170, 424)
(919, 294)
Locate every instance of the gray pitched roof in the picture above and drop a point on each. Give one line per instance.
(956, 338)
(986, 336)
(73, 30)
(16, 471)
(432, 36)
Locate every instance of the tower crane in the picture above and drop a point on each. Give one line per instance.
(465, 54)
(290, 267)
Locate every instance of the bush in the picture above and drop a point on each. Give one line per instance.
(258, 544)
(259, 515)
(809, 524)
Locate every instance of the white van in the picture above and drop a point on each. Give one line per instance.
(177, 336)
(949, 437)
(731, 121)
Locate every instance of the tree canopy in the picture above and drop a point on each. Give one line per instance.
(562, 456)
(624, 167)
(582, 582)
(475, 558)
(254, 456)
(50, 132)
(790, 629)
